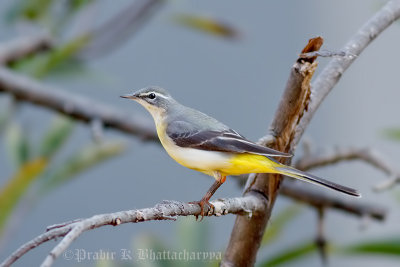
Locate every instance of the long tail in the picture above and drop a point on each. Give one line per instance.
(288, 171)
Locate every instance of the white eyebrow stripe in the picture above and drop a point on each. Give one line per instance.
(163, 96)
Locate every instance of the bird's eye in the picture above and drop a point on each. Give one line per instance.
(152, 95)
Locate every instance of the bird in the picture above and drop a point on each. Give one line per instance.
(202, 143)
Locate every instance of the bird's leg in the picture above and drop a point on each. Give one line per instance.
(205, 200)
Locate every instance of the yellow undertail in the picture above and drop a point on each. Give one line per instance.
(251, 163)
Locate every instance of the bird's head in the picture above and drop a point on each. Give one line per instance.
(155, 99)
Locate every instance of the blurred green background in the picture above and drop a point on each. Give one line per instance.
(229, 59)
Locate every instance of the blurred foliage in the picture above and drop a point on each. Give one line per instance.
(41, 166)
(383, 247)
(60, 129)
(17, 144)
(85, 158)
(11, 193)
(279, 222)
(393, 133)
(206, 25)
(291, 254)
(49, 13)
(59, 58)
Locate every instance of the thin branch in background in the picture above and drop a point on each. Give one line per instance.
(320, 239)
(78, 107)
(119, 28)
(321, 199)
(367, 155)
(23, 46)
(167, 210)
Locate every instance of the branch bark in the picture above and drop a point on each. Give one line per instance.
(246, 234)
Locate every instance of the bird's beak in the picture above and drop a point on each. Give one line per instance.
(130, 96)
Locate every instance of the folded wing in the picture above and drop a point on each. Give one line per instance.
(226, 140)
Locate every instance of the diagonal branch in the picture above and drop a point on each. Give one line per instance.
(78, 107)
(247, 233)
(167, 210)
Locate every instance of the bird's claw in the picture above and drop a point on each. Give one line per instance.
(202, 203)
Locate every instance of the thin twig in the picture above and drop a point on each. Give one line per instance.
(323, 199)
(167, 210)
(367, 155)
(320, 240)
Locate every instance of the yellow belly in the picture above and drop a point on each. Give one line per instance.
(249, 163)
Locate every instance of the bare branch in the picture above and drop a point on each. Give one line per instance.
(247, 233)
(322, 199)
(167, 210)
(367, 155)
(320, 240)
(78, 107)
(23, 46)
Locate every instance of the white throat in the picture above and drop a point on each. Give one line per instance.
(156, 113)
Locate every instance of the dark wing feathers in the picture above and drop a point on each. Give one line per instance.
(225, 140)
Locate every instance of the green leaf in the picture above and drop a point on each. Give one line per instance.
(393, 133)
(207, 25)
(35, 9)
(60, 130)
(17, 144)
(382, 247)
(291, 254)
(42, 64)
(77, 4)
(279, 222)
(3, 120)
(12, 192)
(85, 158)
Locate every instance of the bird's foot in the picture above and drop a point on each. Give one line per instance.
(203, 202)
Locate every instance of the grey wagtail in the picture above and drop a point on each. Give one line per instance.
(202, 143)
